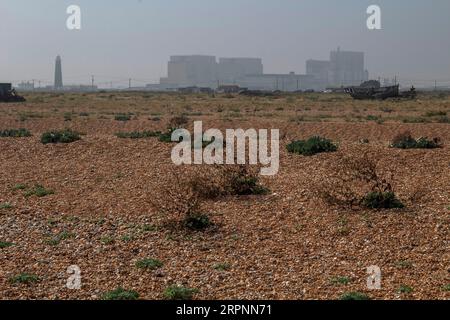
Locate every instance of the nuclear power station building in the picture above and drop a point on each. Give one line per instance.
(58, 74)
(204, 71)
(345, 68)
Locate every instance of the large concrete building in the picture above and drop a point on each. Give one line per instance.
(319, 69)
(230, 70)
(58, 85)
(345, 68)
(284, 82)
(204, 71)
(197, 70)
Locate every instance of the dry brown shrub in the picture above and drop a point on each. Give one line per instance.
(350, 179)
(401, 137)
(178, 121)
(185, 190)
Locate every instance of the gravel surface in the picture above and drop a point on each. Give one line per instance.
(284, 245)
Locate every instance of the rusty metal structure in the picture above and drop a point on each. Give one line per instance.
(8, 94)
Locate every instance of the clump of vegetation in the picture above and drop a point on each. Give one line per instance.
(405, 289)
(415, 120)
(24, 278)
(443, 119)
(312, 146)
(377, 119)
(4, 245)
(127, 238)
(15, 133)
(183, 204)
(24, 116)
(68, 116)
(149, 264)
(62, 136)
(197, 221)
(359, 181)
(186, 204)
(222, 267)
(179, 293)
(405, 140)
(55, 240)
(120, 294)
(5, 205)
(38, 191)
(166, 136)
(382, 200)
(138, 134)
(435, 113)
(354, 296)
(446, 287)
(107, 240)
(178, 122)
(148, 228)
(19, 186)
(340, 280)
(122, 117)
(404, 264)
(241, 180)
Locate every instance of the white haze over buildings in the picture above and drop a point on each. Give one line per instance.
(123, 39)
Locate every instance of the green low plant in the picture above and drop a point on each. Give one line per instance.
(166, 136)
(120, 294)
(312, 146)
(197, 221)
(404, 264)
(248, 186)
(179, 293)
(405, 289)
(443, 119)
(4, 245)
(19, 186)
(415, 120)
(340, 280)
(222, 266)
(61, 136)
(382, 200)
(149, 264)
(107, 240)
(24, 278)
(15, 133)
(122, 117)
(405, 140)
(138, 134)
(354, 296)
(5, 206)
(241, 181)
(55, 240)
(38, 191)
(435, 113)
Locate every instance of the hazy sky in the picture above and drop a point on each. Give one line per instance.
(134, 38)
